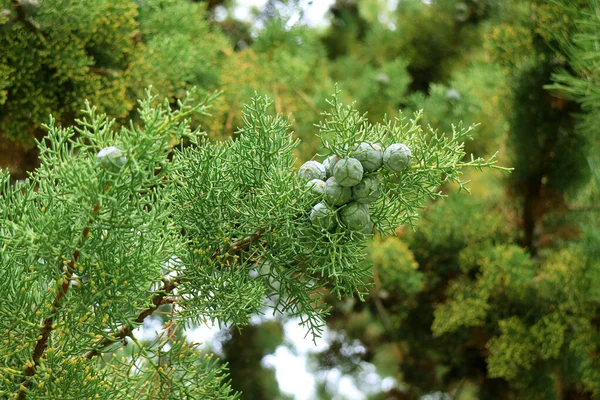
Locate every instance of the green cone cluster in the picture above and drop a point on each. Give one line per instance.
(352, 184)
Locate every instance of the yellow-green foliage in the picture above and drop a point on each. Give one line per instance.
(180, 49)
(395, 267)
(475, 94)
(504, 273)
(286, 64)
(377, 89)
(60, 54)
(397, 279)
(510, 44)
(451, 226)
(570, 279)
(542, 313)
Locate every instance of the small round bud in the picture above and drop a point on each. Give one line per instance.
(316, 185)
(382, 77)
(367, 191)
(348, 172)
(329, 163)
(453, 94)
(323, 216)
(369, 155)
(397, 157)
(355, 217)
(111, 158)
(335, 193)
(311, 170)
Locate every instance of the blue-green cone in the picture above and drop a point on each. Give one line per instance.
(348, 172)
(367, 191)
(111, 158)
(369, 155)
(355, 217)
(316, 185)
(311, 170)
(336, 194)
(329, 163)
(323, 216)
(397, 157)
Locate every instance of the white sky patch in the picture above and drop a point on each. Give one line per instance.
(150, 329)
(243, 9)
(315, 12)
(291, 373)
(292, 370)
(291, 361)
(295, 334)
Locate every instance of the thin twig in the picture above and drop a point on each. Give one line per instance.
(167, 288)
(308, 100)
(125, 330)
(229, 122)
(22, 18)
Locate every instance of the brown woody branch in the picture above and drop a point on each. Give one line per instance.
(126, 330)
(162, 296)
(22, 17)
(47, 326)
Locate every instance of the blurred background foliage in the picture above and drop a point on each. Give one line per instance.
(495, 295)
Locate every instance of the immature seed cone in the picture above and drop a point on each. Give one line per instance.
(348, 172)
(355, 217)
(311, 170)
(316, 185)
(367, 191)
(335, 193)
(323, 216)
(369, 155)
(329, 163)
(111, 158)
(397, 157)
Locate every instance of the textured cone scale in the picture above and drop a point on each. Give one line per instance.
(397, 157)
(368, 229)
(329, 163)
(348, 172)
(369, 155)
(323, 216)
(316, 185)
(311, 170)
(355, 217)
(367, 191)
(336, 194)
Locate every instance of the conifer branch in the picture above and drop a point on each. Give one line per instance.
(48, 324)
(22, 18)
(162, 296)
(126, 330)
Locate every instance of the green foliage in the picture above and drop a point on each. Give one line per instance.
(436, 159)
(505, 272)
(56, 54)
(218, 230)
(180, 49)
(52, 59)
(491, 296)
(282, 63)
(395, 267)
(472, 95)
